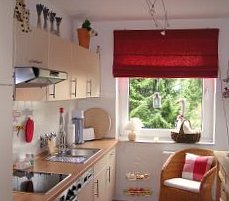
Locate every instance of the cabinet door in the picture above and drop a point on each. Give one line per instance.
(59, 59)
(100, 186)
(31, 49)
(110, 184)
(78, 72)
(93, 75)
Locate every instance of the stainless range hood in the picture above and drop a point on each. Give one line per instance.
(37, 77)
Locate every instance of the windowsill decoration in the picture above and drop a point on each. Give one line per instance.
(184, 132)
(133, 125)
(48, 16)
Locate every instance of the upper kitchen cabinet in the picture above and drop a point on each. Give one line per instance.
(86, 72)
(78, 73)
(42, 49)
(31, 49)
(93, 75)
(59, 59)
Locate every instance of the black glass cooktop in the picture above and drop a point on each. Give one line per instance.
(36, 182)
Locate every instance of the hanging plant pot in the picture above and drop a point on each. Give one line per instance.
(83, 37)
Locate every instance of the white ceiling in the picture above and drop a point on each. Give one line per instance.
(104, 10)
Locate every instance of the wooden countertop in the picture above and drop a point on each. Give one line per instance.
(42, 165)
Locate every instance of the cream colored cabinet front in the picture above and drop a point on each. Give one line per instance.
(78, 72)
(42, 49)
(31, 49)
(93, 75)
(100, 180)
(110, 184)
(105, 177)
(85, 72)
(59, 59)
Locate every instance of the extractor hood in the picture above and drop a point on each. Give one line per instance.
(37, 77)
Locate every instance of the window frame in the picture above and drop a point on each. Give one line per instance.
(161, 135)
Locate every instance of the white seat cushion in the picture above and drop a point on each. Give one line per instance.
(183, 184)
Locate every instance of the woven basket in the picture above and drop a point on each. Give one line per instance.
(181, 137)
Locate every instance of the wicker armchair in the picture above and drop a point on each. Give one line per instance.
(173, 169)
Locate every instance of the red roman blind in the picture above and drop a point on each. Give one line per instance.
(177, 54)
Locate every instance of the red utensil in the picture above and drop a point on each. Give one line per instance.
(29, 129)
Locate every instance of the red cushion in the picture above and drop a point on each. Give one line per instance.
(196, 166)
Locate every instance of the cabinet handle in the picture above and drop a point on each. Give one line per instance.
(35, 61)
(97, 188)
(109, 174)
(53, 94)
(73, 92)
(89, 87)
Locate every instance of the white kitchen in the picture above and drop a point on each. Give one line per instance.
(116, 156)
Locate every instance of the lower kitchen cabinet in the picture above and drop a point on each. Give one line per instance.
(104, 180)
(100, 185)
(110, 184)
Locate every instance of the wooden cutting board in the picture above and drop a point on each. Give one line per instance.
(98, 119)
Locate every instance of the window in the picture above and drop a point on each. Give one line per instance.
(178, 97)
(136, 100)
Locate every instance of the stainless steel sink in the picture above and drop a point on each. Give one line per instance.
(86, 152)
(74, 155)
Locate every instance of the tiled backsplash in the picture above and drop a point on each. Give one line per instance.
(46, 118)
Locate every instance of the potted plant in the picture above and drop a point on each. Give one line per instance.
(84, 33)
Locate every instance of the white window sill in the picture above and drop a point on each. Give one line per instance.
(158, 141)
